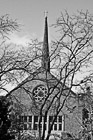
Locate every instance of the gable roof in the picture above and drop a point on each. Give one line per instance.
(42, 75)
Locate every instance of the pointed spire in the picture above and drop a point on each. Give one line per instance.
(45, 51)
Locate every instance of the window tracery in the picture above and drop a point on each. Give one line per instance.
(40, 93)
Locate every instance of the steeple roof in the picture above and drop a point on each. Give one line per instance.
(45, 50)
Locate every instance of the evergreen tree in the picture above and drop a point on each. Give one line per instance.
(5, 121)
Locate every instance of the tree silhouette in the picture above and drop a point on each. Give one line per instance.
(5, 121)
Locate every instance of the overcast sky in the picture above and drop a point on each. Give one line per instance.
(30, 13)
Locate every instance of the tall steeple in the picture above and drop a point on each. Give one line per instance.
(45, 50)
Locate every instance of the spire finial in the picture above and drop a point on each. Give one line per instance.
(45, 13)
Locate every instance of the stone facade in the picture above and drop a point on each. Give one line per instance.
(24, 97)
(35, 89)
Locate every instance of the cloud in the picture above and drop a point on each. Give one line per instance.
(15, 38)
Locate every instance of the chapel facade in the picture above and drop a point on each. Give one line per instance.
(29, 97)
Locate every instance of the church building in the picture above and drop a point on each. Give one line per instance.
(38, 100)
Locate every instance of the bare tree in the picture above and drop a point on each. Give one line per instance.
(73, 54)
(70, 54)
(74, 50)
(7, 26)
(16, 64)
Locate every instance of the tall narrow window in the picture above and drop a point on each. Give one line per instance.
(50, 121)
(35, 126)
(29, 126)
(29, 122)
(30, 118)
(35, 118)
(25, 118)
(60, 119)
(25, 126)
(46, 123)
(55, 124)
(35, 122)
(60, 123)
(60, 126)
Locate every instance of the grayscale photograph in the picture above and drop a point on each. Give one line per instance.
(46, 69)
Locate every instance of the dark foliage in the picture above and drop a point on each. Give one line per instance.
(5, 121)
(85, 114)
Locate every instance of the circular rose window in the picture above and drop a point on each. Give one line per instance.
(40, 93)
